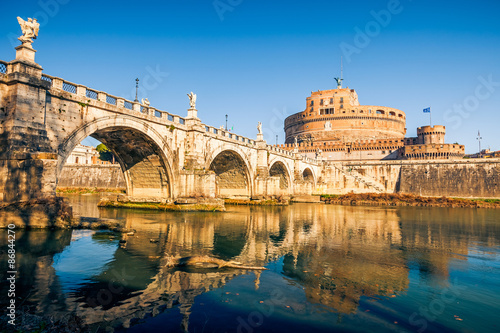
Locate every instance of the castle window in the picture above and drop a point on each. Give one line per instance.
(312, 103)
(331, 100)
(380, 112)
(312, 109)
(392, 113)
(353, 111)
(341, 106)
(341, 99)
(321, 102)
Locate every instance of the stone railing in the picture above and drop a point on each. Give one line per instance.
(310, 160)
(118, 102)
(222, 133)
(278, 150)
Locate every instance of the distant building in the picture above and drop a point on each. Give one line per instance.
(85, 155)
(485, 153)
(334, 126)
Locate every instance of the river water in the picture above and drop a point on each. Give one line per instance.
(329, 268)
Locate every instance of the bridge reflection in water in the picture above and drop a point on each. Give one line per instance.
(336, 254)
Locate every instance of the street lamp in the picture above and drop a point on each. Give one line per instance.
(226, 122)
(136, 89)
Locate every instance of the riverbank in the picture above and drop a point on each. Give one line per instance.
(407, 200)
(279, 201)
(88, 190)
(195, 207)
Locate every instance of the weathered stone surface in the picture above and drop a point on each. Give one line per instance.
(90, 176)
(452, 179)
(36, 213)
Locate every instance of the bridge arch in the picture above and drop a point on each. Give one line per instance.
(279, 169)
(233, 172)
(144, 156)
(308, 175)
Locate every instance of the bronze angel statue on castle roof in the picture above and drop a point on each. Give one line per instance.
(29, 28)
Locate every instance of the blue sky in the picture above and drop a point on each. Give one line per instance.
(257, 60)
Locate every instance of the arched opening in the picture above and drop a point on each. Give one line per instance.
(278, 169)
(232, 175)
(141, 155)
(141, 161)
(307, 175)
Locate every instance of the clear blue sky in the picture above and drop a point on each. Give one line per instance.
(257, 60)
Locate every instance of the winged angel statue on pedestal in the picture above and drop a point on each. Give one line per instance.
(192, 100)
(29, 28)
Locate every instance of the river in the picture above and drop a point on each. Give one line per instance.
(329, 268)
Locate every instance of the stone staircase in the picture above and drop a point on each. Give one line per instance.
(368, 181)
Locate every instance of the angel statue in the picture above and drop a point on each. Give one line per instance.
(295, 142)
(29, 28)
(145, 101)
(192, 100)
(339, 82)
(259, 127)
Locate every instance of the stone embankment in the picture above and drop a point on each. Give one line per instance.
(113, 200)
(386, 199)
(36, 213)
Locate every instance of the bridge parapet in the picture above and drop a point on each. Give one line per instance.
(280, 151)
(94, 97)
(218, 133)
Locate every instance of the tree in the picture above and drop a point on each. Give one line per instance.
(104, 153)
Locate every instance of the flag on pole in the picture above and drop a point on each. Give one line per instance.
(427, 110)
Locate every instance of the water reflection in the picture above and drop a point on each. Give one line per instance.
(339, 255)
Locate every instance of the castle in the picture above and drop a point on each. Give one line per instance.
(334, 126)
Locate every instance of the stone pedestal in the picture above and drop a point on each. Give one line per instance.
(260, 137)
(25, 52)
(192, 113)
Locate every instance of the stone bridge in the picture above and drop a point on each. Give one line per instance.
(162, 155)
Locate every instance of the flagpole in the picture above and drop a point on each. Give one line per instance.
(430, 115)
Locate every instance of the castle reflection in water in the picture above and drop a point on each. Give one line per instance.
(337, 254)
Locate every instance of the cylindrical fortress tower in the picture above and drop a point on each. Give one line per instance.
(335, 115)
(431, 134)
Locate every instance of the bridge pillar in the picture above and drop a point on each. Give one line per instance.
(262, 176)
(27, 161)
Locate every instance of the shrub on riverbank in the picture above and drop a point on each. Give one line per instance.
(396, 199)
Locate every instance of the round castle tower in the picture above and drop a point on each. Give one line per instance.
(431, 134)
(334, 116)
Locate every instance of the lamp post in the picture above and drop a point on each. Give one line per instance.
(479, 139)
(226, 122)
(276, 139)
(136, 89)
